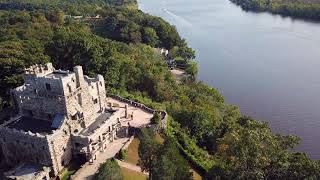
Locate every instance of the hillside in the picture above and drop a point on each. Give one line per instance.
(304, 9)
(211, 134)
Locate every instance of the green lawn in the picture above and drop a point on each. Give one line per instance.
(132, 175)
(132, 152)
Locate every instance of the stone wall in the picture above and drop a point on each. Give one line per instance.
(87, 99)
(40, 107)
(19, 146)
(60, 147)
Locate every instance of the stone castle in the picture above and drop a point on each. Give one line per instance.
(60, 115)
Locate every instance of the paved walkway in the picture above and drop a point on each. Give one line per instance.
(88, 170)
(140, 117)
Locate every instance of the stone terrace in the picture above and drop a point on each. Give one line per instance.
(140, 116)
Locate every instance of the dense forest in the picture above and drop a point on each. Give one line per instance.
(202, 128)
(304, 9)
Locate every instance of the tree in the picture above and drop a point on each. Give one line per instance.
(56, 17)
(148, 149)
(169, 164)
(110, 170)
(122, 154)
(192, 69)
(163, 162)
(150, 37)
(156, 118)
(131, 33)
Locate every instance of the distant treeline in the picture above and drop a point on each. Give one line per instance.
(213, 135)
(32, 5)
(296, 9)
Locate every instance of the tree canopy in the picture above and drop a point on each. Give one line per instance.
(304, 9)
(110, 170)
(202, 128)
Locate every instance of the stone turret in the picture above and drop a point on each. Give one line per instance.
(79, 75)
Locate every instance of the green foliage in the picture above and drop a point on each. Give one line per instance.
(73, 7)
(150, 36)
(131, 26)
(156, 118)
(122, 154)
(251, 151)
(183, 51)
(192, 69)
(298, 9)
(110, 170)
(161, 161)
(169, 164)
(200, 158)
(209, 133)
(148, 149)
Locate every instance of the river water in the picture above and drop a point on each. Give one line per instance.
(266, 64)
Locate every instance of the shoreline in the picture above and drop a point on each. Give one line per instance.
(283, 9)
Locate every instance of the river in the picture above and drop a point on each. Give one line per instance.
(266, 64)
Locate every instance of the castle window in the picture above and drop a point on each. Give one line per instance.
(74, 117)
(79, 99)
(100, 83)
(95, 101)
(70, 90)
(72, 79)
(35, 91)
(48, 87)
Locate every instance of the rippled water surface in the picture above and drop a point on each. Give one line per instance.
(266, 64)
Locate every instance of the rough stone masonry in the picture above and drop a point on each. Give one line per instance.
(60, 115)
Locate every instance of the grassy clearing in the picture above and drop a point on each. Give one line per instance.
(132, 152)
(132, 175)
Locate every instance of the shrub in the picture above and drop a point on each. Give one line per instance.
(156, 118)
(122, 154)
(110, 170)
